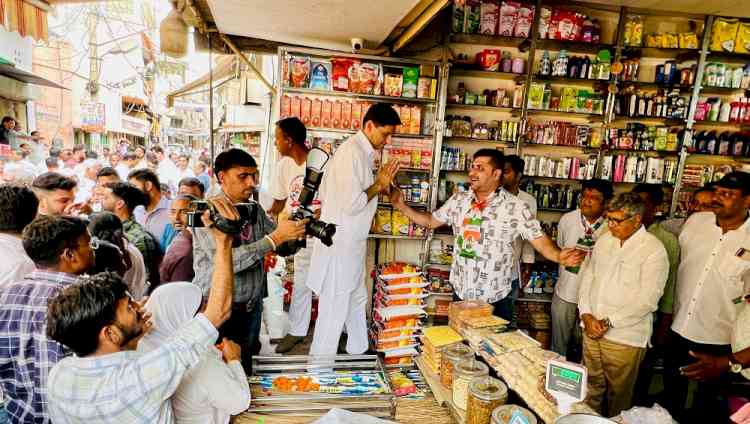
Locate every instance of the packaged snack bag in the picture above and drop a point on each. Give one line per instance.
(296, 110)
(356, 115)
(306, 110)
(508, 14)
(299, 69)
(415, 120)
(724, 34)
(340, 73)
(320, 75)
(689, 40)
(400, 223)
(523, 21)
(336, 115)
(473, 20)
(370, 78)
(346, 114)
(286, 107)
(327, 113)
(742, 42)
(317, 112)
(411, 79)
(490, 14)
(459, 14)
(383, 221)
(392, 84)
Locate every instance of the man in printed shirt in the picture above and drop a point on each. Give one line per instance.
(621, 285)
(713, 278)
(108, 381)
(60, 248)
(486, 221)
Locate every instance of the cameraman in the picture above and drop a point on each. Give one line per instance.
(349, 199)
(237, 173)
(285, 189)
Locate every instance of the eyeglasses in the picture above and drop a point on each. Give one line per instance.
(613, 222)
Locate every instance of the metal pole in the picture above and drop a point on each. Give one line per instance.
(211, 96)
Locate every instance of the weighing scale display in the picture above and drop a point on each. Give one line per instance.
(566, 380)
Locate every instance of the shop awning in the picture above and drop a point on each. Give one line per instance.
(27, 77)
(225, 67)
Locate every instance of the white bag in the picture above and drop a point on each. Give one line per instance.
(342, 416)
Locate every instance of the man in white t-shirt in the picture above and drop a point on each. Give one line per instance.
(285, 188)
(523, 252)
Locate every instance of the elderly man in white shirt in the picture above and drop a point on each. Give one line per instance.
(348, 196)
(18, 207)
(712, 281)
(579, 228)
(621, 285)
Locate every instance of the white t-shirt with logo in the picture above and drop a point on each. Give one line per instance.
(287, 184)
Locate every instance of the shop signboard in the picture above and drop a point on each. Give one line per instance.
(93, 118)
(16, 50)
(134, 126)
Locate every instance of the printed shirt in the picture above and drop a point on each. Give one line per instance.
(147, 245)
(486, 232)
(128, 386)
(624, 282)
(711, 280)
(26, 354)
(572, 227)
(525, 252)
(247, 259)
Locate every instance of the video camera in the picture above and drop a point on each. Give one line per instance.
(316, 161)
(248, 215)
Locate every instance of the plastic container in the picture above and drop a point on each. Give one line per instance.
(463, 374)
(452, 355)
(582, 419)
(485, 394)
(504, 414)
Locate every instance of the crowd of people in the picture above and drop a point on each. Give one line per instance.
(111, 303)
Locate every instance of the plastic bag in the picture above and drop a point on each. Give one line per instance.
(642, 415)
(342, 416)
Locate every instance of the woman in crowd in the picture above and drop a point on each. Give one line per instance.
(108, 227)
(215, 389)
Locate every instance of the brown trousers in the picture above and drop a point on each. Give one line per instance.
(613, 369)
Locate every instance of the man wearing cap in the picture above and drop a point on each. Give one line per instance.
(713, 278)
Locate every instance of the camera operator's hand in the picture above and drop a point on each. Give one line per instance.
(386, 174)
(397, 198)
(288, 230)
(226, 209)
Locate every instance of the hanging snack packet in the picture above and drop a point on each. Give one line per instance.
(724, 34)
(299, 71)
(523, 21)
(320, 76)
(742, 42)
(490, 15)
(473, 20)
(340, 73)
(508, 15)
(411, 80)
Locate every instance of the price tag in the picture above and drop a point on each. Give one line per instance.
(566, 382)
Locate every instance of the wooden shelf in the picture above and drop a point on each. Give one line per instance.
(656, 85)
(565, 79)
(333, 93)
(561, 113)
(462, 72)
(657, 52)
(721, 90)
(487, 40)
(537, 177)
(712, 56)
(482, 107)
(666, 121)
(572, 46)
(626, 150)
(477, 141)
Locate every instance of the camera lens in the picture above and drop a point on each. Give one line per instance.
(322, 231)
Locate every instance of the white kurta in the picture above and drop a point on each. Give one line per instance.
(337, 272)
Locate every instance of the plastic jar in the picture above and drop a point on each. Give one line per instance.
(485, 394)
(453, 355)
(504, 414)
(463, 374)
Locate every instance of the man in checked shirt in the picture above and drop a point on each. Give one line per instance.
(61, 248)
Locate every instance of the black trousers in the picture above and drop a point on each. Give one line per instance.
(243, 328)
(710, 400)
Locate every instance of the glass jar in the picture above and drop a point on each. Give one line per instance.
(505, 414)
(485, 394)
(453, 355)
(463, 374)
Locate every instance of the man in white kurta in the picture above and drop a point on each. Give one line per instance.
(349, 199)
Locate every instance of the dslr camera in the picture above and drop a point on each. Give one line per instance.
(316, 161)
(248, 215)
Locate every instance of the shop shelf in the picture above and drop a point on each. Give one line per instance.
(665, 121)
(721, 90)
(565, 79)
(712, 56)
(561, 113)
(333, 93)
(626, 150)
(656, 85)
(720, 124)
(539, 177)
(572, 46)
(477, 141)
(455, 171)
(568, 146)
(416, 170)
(725, 157)
(332, 130)
(392, 237)
(487, 40)
(657, 52)
(482, 107)
(462, 72)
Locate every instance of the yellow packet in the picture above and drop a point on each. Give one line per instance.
(742, 42)
(723, 34)
(383, 221)
(399, 224)
(688, 40)
(653, 40)
(669, 41)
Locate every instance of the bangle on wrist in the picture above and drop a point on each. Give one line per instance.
(270, 240)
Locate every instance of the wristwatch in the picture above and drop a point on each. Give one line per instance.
(734, 365)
